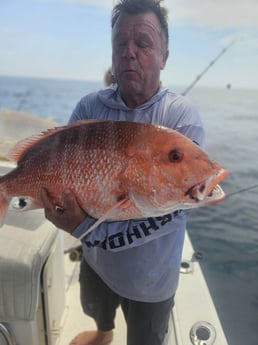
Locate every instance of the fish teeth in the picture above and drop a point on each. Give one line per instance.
(208, 189)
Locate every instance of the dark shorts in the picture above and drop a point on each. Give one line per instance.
(147, 323)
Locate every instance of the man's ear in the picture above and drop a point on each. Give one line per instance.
(164, 59)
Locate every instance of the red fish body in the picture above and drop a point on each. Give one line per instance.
(117, 170)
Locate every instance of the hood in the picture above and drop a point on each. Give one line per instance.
(111, 98)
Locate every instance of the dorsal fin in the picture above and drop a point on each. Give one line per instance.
(24, 145)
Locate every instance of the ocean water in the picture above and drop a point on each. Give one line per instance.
(48, 98)
(226, 233)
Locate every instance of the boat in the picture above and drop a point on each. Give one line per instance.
(39, 288)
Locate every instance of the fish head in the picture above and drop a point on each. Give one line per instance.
(181, 175)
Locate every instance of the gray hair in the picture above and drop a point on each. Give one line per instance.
(143, 6)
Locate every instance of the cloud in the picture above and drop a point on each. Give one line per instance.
(247, 42)
(215, 14)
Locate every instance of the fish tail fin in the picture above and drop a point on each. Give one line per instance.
(4, 204)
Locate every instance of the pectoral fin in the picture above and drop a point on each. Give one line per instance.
(122, 204)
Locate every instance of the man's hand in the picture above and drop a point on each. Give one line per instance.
(67, 217)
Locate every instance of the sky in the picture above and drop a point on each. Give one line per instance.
(70, 39)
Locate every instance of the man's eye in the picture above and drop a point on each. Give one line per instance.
(121, 43)
(142, 44)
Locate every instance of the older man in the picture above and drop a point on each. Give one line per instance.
(134, 263)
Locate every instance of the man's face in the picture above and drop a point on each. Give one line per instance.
(139, 53)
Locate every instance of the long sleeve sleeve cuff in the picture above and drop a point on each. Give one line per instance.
(83, 227)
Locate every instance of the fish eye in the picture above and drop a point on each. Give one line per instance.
(175, 156)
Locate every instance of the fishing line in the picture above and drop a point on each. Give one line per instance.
(75, 250)
(242, 191)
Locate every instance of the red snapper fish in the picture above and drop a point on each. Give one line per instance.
(118, 170)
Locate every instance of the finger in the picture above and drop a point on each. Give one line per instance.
(46, 201)
(49, 207)
(71, 204)
(72, 207)
(69, 199)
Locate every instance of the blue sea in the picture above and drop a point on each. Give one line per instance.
(225, 233)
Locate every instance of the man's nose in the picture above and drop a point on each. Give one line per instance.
(130, 50)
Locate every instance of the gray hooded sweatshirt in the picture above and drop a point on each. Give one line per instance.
(139, 259)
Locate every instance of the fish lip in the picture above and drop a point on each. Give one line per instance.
(208, 191)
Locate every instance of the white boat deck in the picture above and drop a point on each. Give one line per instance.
(193, 304)
(75, 320)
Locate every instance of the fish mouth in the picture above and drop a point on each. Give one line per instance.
(209, 191)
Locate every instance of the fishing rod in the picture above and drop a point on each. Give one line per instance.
(208, 67)
(242, 191)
